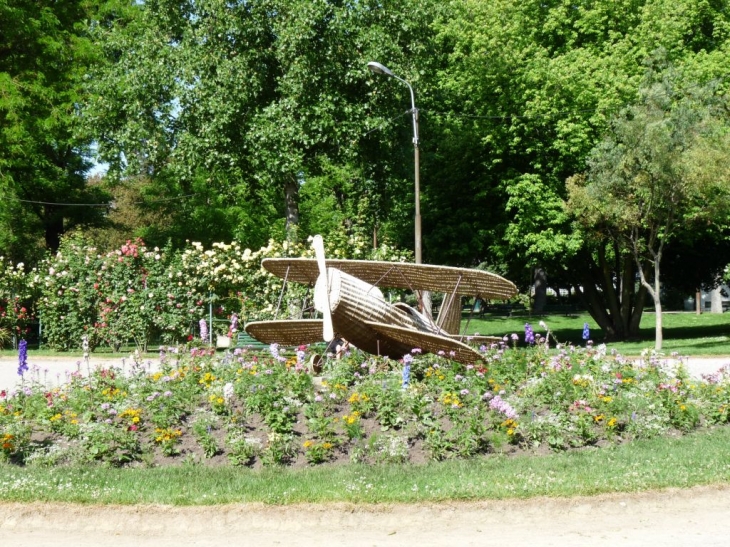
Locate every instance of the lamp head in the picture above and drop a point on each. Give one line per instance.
(377, 68)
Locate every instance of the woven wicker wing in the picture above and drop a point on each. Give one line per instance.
(430, 343)
(400, 275)
(286, 333)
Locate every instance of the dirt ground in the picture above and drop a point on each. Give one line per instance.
(697, 516)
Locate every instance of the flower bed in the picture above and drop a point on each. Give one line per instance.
(254, 409)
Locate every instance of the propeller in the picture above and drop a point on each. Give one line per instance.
(322, 297)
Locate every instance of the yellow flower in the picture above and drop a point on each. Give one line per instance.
(308, 443)
(612, 422)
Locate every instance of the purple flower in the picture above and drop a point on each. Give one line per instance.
(586, 331)
(406, 373)
(234, 322)
(203, 330)
(500, 405)
(529, 334)
(22, 357)
(274, 350)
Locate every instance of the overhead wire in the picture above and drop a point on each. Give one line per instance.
(105, 204)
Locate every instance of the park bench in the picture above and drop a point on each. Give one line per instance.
(245, 341)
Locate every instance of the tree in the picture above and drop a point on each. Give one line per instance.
(243, 103)
(661, 171)
(44, 56)
(528, 90)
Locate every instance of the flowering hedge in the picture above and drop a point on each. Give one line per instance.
(228, 270)
(138, 294)
(131, 293)
(16, 297)
(250, 409)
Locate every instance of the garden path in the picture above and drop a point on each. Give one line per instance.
(669, 518)
(53, 370)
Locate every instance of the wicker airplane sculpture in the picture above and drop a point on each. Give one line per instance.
(346, 293)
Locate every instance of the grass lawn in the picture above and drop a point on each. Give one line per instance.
(697, 459)
(687, 333)
(684, 332)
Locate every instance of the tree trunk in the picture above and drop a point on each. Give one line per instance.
(654, 292)
(540, 280)
(635, 321)
(291, 195)
(716, 300)
(616, 309)
(596, 308)
(628, 296)
(53, 224)
(657, 307)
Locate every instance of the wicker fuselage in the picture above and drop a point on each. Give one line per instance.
(354, 302)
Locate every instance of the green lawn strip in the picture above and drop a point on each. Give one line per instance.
(696, 459)
(685, 333)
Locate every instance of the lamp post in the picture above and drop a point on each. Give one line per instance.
(377, 68)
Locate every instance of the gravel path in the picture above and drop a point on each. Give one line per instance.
(54, 370)
(669, 518)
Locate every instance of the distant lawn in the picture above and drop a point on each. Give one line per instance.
(684, 332)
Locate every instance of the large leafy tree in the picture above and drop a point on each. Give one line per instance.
(245, 103)
(528, 91)
(45, 54)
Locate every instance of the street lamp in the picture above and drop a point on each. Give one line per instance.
(377, 68)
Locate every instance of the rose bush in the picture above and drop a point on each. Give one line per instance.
(140, 294)
(17, 292)
(133, 293)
